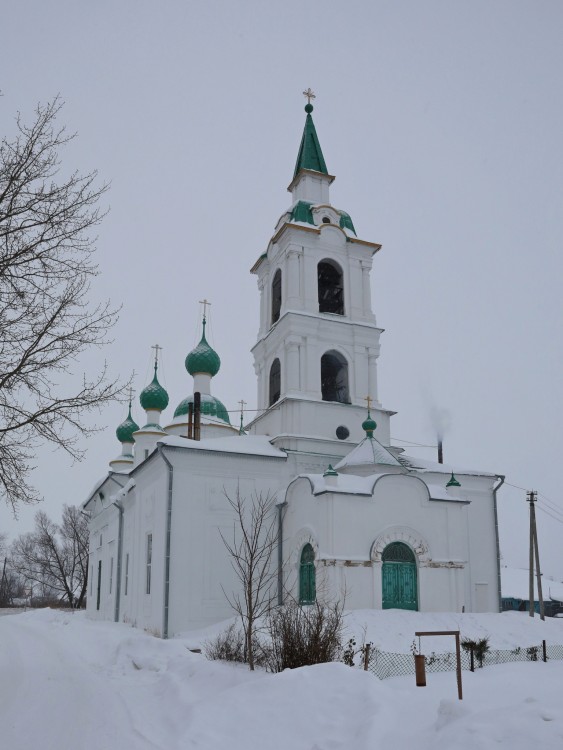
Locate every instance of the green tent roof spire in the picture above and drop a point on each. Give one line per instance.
(310, 155)
(453, 481)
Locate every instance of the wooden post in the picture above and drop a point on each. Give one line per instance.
(457, 654)
(544, 650)
(458, 666)
(366, 656)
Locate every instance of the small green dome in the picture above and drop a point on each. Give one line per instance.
(154, 395)
(126, 429)
(369, 425)
(210, 406)
(203, 358)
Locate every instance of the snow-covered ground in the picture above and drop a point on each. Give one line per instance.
(67, 682)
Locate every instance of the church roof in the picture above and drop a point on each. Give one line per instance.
(423, 465)
(254, 445)
(368, 452)
(310, 155)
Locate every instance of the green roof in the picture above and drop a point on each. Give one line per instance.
(203, 358)
(310, 155)
(126, 429)
(154, 396)
(210, 406)
(301, 211)
(453, 482)
(346, 221)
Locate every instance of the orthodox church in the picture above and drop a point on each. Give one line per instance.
(354, 515)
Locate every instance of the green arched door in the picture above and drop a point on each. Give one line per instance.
(400, 589)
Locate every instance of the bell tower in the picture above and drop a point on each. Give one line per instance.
(318, 343)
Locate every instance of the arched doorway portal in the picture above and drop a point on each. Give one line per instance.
(400, 590)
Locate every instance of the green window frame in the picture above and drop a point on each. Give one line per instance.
(307, 576)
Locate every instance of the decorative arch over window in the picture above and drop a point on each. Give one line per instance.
(307, 578)
(331, 287)
(334, 377)
(398, 552)
(275, 381)
(276, 296)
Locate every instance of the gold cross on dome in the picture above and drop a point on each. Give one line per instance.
(156, 348)
(131, 392)
(369, 400)
(242, 405)
(205, 304)
(309, 94)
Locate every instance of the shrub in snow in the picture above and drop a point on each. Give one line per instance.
(304, 635)
(480, 647)
(231, 646)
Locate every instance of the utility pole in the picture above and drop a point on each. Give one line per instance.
(532, 498)
(529, 496)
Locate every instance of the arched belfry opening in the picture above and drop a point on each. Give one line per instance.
(276, 296)
(331, 287)
(399, 577)
(334, 377)
(275, 382)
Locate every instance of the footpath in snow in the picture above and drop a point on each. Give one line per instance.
(67, 682)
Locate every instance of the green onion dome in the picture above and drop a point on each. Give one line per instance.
(203, 358)
(210, 406)
(369, 425)
(154, 395)
(126, 429)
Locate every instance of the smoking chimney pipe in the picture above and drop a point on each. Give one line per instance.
(440, 451)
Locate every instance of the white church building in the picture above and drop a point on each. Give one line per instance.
(354, 514)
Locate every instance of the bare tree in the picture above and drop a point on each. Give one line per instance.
(251, 549)
(55, 556)
(46, 319)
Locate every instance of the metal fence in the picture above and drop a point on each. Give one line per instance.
(386, 664)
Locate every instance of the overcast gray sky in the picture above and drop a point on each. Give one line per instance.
(442, 122)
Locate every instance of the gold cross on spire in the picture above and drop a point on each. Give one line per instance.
(242, 405)
(205, 304)
(309, 94)
(156, 348)
(131, 392)
(369, 400)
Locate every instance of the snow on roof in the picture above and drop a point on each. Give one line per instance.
(369, 451)
(437, 492)
(423, 464)
(94, 489)
(123, 491)
(350, 484)
(515, 584)
(255, 445)
(347, 484)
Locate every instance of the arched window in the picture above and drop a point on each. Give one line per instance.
(307, 587)
(331, 287)
(334, 378)
(275, 381)
(276, 296)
